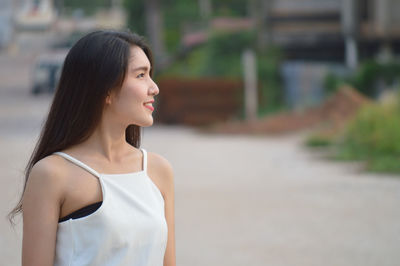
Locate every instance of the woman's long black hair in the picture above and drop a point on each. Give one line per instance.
(94, 66)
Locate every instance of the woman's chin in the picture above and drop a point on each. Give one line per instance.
(146, 123)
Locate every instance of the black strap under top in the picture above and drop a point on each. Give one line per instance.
(82, 212)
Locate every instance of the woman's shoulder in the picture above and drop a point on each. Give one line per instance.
(47, 179)
(50, 170)
(159, 163)
(161, 169)
(53, 165)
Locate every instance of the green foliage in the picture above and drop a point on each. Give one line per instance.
(219, 57)
(89, 7)
(366, 77)
(231, 43)
(374, 136)
(319, 141)
(376, 131)
(385, 164)
(190, 66)
(136, 15)
(225, 51)
(175, 14)
(270, 81)
(231, 8)
(332, 82)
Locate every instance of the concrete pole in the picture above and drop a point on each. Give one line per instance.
(350, 27)
(250, 84)
(351, 52)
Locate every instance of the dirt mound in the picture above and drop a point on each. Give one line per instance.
(335, 112)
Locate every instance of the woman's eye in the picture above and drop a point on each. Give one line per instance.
(141, 75)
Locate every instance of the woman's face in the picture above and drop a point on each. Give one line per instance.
(133, 103)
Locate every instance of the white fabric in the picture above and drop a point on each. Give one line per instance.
(129, 228)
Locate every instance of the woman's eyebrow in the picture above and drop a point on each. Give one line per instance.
(144, 68)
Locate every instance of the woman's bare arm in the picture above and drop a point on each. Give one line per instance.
(169, 258)
(40, 206)
(162, 170)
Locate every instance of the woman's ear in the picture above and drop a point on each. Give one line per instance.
(108, 98)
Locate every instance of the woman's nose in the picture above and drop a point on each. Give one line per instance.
(154, 90)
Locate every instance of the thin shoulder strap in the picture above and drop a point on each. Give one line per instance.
(78, 163)
(144, 159)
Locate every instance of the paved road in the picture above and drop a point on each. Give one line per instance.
(239, 200)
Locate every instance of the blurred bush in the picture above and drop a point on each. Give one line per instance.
(366, 78)
(373, 136)
(319, 140)
(270, 81)
(332, 82)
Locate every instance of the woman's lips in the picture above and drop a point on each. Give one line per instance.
(149, 106)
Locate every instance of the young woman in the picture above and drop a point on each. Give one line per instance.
(91, 195)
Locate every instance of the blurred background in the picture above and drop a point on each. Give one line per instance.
(281, 120)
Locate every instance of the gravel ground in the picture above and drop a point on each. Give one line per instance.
(239, 200)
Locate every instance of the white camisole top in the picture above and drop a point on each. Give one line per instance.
(129, 228)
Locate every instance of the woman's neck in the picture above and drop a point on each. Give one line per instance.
(108, 141)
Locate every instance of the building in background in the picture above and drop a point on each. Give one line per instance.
(318, 29)
(318, 36)
(35, 15)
